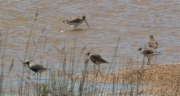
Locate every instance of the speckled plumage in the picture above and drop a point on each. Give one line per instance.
(96, 58)
(35, 67)
(152, 42)
(149, 53)
(76, 21)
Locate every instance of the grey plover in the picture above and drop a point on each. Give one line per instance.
(76, 21)
(149, 53)
(153, 43)
(35, 67)
(96, 59)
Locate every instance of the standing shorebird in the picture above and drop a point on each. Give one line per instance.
(35, 67)
(76, 21)
(153, 43)
(96, 59)
(149, 53)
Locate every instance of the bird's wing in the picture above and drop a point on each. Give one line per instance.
(39, 67)
(97, 57)
(93, 58)
(148, 51)
(75, 20)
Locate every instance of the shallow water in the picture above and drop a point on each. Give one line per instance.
(132, 20)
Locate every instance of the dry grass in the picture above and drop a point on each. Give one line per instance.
(159, 79)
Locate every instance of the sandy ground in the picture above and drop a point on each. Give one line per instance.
(159, 79)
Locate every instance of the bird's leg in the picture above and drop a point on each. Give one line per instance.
(33, 74)
(148, 61)
(99, 67)
(36, 76)
(74, 27)
(143, 59)
(94, 67)
(155, 51)
(40, 76)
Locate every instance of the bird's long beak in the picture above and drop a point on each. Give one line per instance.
(87, 23)
(86, 54)
(21, 60)
(65, 21)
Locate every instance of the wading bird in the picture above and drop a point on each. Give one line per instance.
(76, 21)
(35, 67)
(153, 43)
(149, 53)
(96, 59)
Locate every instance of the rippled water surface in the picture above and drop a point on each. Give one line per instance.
(132, 20)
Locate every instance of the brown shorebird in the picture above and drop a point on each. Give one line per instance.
(35, 67)
(153, 43)
(76, 21)
(149, 53)
(96, 59)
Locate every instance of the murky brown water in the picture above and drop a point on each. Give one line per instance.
(134, 20)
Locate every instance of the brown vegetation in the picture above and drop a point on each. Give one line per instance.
(158, 79)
